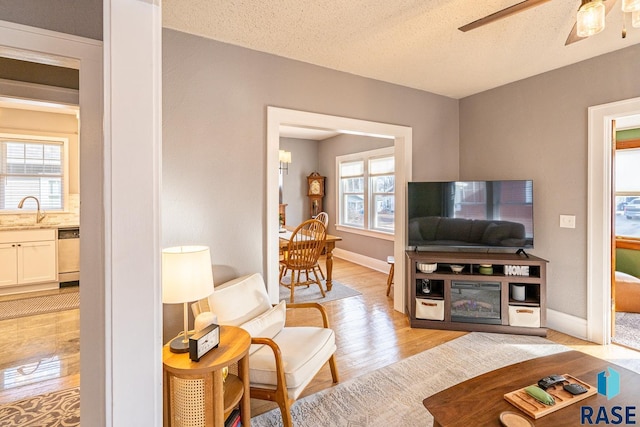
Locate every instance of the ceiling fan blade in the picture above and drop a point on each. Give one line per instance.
(511, 10)
(573, 34)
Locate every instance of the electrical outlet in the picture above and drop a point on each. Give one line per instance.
(567, 221)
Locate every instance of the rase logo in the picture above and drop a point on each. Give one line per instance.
(609, 386)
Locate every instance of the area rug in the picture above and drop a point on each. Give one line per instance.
(627, 330)
(12, 309)
(312, 293)
(56, 409)
(393, 395)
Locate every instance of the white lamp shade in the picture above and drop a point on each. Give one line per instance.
(635, 19)
(284, 156)
(186, 274)
(630, 5)
(590, 18)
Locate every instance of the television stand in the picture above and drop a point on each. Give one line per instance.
(521, 251)
(494, 292)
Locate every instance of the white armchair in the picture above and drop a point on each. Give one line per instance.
(282, 360)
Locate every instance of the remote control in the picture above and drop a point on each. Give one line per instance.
(575, 388)
(547, 382)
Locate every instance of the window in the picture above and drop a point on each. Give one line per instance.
(32, 166)
(366, 190)
(627, 192)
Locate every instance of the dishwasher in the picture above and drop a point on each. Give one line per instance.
(69, 256)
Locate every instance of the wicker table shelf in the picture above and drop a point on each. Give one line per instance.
(196, 394)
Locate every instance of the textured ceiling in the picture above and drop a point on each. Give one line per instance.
(414, 43)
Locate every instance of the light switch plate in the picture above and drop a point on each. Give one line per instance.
(567, 221)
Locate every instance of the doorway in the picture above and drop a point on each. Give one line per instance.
(402, 136)
(626, 233)
(36, 45)
(599, 208)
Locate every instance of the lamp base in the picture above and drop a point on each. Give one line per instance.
(178, 345)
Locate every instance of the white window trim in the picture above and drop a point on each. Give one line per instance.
(65, 166)
(380, 152)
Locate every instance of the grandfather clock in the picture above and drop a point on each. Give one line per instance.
(315, 191)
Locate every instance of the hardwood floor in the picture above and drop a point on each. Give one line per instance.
(370, 335)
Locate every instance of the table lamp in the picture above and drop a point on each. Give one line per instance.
(186, 277)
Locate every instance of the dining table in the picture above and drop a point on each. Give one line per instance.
(330, 244)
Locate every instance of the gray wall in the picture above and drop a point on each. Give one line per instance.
(215, 98)
(304, 155)
(77, 17)
(320, 156)
(537, 128)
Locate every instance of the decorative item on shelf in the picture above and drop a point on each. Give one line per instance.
(516, 270)
(456, 268)
(518, 292)
(186, 277)
(425, 286)
(284, 158)
(486, 269)
(427, 267)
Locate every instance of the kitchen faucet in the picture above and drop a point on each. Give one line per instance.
(39, 214)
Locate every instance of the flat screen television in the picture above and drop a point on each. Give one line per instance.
(470, 215)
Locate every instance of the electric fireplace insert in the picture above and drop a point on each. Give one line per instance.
(477, 302)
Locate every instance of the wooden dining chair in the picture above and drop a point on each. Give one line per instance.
(324, 218)
(304, 249)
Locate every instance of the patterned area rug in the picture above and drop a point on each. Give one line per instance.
(56, 409)
(393, 395)
(12, 309)
(312, 293)
(627, 330)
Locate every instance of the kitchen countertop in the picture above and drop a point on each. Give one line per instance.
(15, 227)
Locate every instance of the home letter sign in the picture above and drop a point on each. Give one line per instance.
(516, 270)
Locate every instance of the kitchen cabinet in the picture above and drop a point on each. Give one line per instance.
(27, 257)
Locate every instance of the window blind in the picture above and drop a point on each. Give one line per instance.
(31, 168)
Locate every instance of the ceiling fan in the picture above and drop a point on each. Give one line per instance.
(528, 4)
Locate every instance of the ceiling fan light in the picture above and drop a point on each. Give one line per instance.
(631, 5)
(591, 18)
(635, 19)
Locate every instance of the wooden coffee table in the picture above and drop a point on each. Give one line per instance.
(479, 401)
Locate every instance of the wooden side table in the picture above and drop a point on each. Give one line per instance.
(195, 393)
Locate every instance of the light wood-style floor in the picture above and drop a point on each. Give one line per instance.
(370, 335)
(39, 354)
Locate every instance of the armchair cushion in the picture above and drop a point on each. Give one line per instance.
(239, 300)
(267, 325)
(304, 349)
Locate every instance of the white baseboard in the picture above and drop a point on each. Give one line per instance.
(372, 263)
(567, 324)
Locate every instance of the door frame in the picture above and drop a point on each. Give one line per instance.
(403, 143)
(599, 208)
